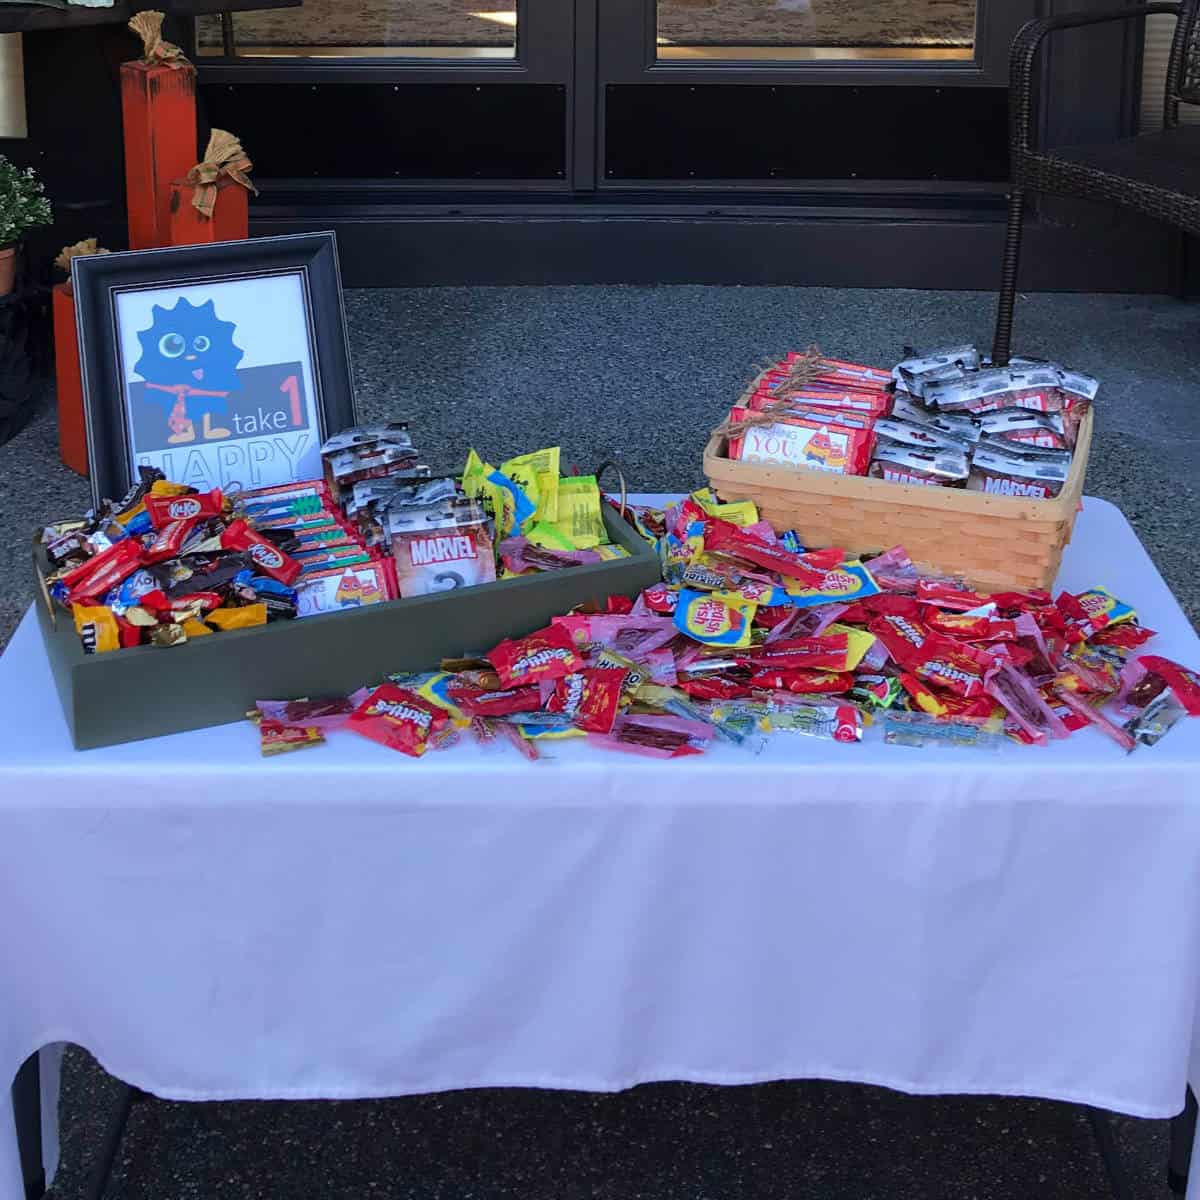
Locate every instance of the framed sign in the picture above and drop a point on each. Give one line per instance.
(224, 365)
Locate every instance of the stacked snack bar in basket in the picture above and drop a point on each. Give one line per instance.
(938, 420)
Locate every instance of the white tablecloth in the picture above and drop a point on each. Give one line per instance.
(345, 922)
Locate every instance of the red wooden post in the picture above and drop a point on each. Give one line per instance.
(159, 110)
(72, 429)
(230, 221)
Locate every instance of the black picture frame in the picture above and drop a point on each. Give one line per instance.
(98, 281)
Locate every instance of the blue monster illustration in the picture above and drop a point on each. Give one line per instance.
(189, 363)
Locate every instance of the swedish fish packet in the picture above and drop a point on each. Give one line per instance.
(537, 473)
(1099, 601)
(579, 514)
(739, 512)
(850, 581)
(714, 622)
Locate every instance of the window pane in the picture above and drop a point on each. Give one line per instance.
(816, 29)
(372, 28)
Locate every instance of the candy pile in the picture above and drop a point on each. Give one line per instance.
(749, 634)
(166, 564)
(938, 420)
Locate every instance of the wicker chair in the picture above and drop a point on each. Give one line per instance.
(1157, 174)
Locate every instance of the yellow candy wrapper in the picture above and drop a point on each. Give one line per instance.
(475, 475)
(610, 552)
(238, 618)
(537, 473)
(196, 628)
(860, 642)
(850, 581)
(579, 511)
(97, 628)
(738, 512)
(164, 487)
(549, 537)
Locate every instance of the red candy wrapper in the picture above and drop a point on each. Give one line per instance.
(548, 654)
(266, 556)
(814, 683)
(1081, 708)
(1127, 636)
(92, 579)
(901, 635)
(169, 540)
(946, 595)
(828, 653)
(723, 538)
(163, 510)
(660, 599)
(592, 698)
(398, 719)
(1184, 683)
(950, 665)
(713, 687)
(973, 629)
(476, 702)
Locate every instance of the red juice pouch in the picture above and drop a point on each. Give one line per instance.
(165, 509)
(548, 654)
(804, 682)
(398, 719)
(590, 698)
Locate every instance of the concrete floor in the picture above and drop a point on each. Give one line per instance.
(641, 375)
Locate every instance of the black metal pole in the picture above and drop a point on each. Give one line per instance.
(27, 1106)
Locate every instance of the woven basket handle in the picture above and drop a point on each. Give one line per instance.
(609, 465)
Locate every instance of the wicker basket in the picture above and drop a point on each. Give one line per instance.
(994, 542)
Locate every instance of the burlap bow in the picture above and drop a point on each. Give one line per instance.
(148, 26)
(224, 156)
(78, 250)
(803, 371)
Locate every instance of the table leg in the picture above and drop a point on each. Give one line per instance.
(1183, 1134)
(27, 1107)
(1107, 1145)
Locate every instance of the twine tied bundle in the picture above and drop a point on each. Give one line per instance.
(801, 373)
(224, 156)
(155, 52)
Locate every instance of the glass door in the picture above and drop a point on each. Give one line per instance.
(825, 97)
(408, 95)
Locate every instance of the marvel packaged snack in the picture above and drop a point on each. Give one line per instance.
(1016, 473)
(950, 363)
(997, 387)
(961, 426)
(899, 463)
(444, 546)
(915, 433)
(1026, 427)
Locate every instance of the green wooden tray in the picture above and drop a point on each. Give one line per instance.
(149, 691)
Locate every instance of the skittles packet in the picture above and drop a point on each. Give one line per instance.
(398, 719)
(548, 654)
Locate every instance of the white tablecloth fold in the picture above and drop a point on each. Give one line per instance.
(348, 923)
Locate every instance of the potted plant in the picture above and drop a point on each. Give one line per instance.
(23, 206)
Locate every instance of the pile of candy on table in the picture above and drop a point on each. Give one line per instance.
(939, 420)
(748, 634)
